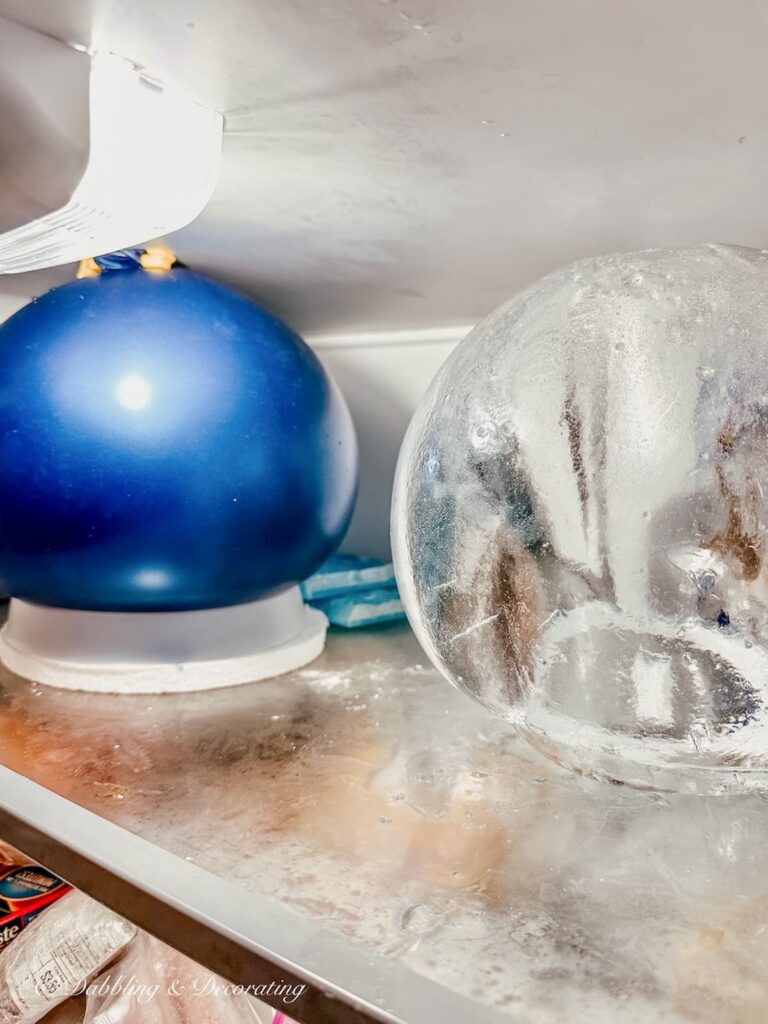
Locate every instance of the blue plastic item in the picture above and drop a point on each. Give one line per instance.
(341, 574)
(366, 608)
(165, 444)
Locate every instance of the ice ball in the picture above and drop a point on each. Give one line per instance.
(579, 519)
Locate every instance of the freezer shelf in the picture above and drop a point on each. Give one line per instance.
(363, 826)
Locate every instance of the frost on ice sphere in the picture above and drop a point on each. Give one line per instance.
(580, 513)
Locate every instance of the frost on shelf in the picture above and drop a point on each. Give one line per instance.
(376, 802)
(580, 514)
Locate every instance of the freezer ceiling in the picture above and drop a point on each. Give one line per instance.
(404, 163)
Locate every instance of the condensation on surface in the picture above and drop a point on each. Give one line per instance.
(580, 512)
(368, 795)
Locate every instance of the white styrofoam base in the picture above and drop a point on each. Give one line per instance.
(110, 652)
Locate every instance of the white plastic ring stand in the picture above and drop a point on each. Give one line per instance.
(161, 652)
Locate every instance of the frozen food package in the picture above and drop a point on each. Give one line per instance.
(55, 957)
(26, 890)
(154, 984)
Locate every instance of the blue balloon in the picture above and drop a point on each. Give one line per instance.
(165, 444)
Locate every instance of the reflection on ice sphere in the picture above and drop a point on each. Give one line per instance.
(580, 512)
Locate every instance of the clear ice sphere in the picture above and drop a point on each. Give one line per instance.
(580, 512)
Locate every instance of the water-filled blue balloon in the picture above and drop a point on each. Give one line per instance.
(165, 444)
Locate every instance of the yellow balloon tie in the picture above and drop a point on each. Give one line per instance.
(156, 257)
(88, 268)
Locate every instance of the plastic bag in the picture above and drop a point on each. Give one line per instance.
(153, 984)
(70, 1012)
(56, 955)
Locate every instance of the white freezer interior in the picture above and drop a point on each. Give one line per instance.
(398, 166)
(392, 171)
